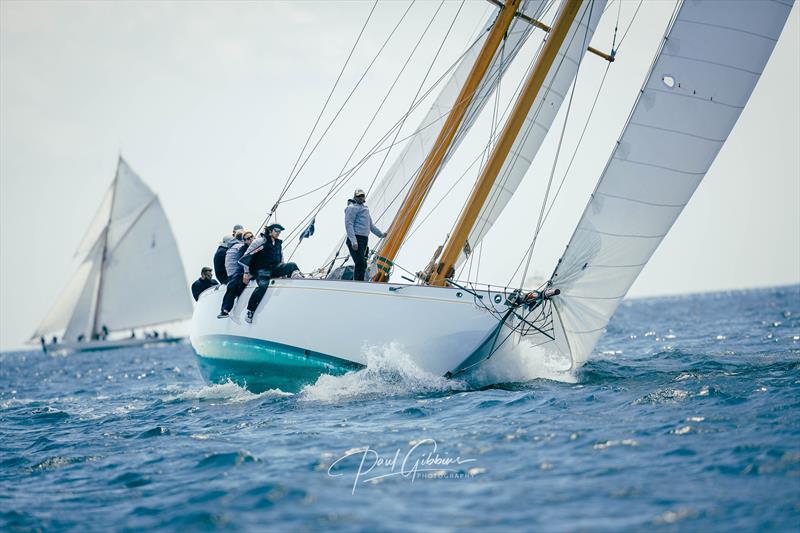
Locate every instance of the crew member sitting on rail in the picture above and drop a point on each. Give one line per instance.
(264, 259)
(236, 280)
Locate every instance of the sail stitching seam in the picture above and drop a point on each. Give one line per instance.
(640, 201)
(687, 172)
(709, 62)
(730, 29)
(695, 97)
(678, 132)
(590, 230)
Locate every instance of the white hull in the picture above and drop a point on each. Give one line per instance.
(337, 321)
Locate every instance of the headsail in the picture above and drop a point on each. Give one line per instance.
(140, 281)
(707, 68)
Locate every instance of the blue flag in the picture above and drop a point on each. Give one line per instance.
(309, 231)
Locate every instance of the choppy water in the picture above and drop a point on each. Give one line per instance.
(687, 417)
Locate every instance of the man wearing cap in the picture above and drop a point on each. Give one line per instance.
(358, 224)
(264, 261)
(203, 282)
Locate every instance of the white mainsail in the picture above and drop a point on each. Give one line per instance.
(385, 199)
(539, 120)
(131, 275)
(707, 68)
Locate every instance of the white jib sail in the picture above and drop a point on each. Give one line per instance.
(385, 199)
(539, 120)
(701, 80)
(140, 282)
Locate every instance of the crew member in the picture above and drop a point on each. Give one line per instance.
(358, 224)
(264, 259)
(203, 282)
(219, 259)
(236, 280)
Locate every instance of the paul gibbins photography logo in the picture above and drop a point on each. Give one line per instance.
(421, 461)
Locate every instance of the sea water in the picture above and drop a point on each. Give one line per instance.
(686, 417)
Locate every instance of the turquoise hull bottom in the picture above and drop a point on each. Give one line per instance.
(260, 365)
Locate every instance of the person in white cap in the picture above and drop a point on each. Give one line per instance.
(358, 224)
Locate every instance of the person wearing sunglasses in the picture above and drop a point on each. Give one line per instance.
(264, 259)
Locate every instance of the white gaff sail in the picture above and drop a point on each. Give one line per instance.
(387, 196)
(131, 276)
(708, 66)
(539, 120)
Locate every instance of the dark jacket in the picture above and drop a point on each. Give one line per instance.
(219, 262)
(200, 285)
(263, 254)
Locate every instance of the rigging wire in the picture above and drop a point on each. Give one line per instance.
(385, 98)
(424, 79)
(333, 183)
(344, 104)
(496, 190)
(486, 150)
(376, 147)
(289, 179)
(415, 104)
(588, 120)
(494, 199)
(555, 159)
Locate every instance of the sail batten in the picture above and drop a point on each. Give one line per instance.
(699, 83)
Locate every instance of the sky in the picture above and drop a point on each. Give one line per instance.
(211, 102)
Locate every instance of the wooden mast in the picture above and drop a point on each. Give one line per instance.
(419, 189)
(500, 152)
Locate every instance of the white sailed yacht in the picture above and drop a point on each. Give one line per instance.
(710, 58)
(131, 275)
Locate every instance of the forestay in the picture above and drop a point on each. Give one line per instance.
(708, 65)
(539, 120)
(387, 196)
(140, 282)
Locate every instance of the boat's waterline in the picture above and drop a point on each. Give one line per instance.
(261, 365)
(306, 328)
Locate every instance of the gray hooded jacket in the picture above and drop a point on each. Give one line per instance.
(357, 221)
(232, 265)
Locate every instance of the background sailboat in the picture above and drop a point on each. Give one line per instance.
(131, 275)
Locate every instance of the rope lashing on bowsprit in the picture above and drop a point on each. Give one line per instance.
(383, 264)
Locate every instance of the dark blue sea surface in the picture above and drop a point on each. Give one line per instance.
(686, 418)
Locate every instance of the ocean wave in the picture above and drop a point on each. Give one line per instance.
(521, 361)
(229, 392)
(390, 371)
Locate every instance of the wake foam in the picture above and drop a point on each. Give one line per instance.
(389, 372)
(520, 361)
(228, 392)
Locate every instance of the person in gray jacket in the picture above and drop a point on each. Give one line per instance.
(358, 224)
(237, 279)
